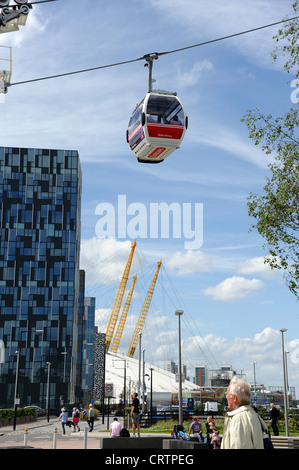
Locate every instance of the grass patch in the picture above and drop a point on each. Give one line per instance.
(167, 426)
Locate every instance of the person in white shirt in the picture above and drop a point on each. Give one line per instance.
(115, 428)
(242, 428)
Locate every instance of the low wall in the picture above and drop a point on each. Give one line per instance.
(155, 442)
(181, 444)
(20, 420)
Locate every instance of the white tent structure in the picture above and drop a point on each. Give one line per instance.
(163, 381)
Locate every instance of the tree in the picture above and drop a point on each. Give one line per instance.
(277, 210)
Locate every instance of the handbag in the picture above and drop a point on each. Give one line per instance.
(266, 436)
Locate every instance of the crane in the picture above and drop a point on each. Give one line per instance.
(143, 313)
(119, 298)
(123, 318)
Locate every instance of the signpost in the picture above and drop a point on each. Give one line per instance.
(109, 390)
(108, 394)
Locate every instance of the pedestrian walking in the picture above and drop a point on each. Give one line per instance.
(76, 418)
(90, 417)
(274, 413)
(63, 419)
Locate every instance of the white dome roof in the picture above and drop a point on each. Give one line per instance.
(163, 381)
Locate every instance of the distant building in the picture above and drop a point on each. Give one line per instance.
(85, 349)
(170, 366)
(220, 377)
(201, 376)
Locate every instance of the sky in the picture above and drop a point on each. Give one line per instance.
(212, 268)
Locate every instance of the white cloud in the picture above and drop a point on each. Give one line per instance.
(192, 77)
(264, 348)
(203, 21)
(102, 316)
(104, 260)
(189, 262)
(233, 288)
(224, 138)
(256, 266)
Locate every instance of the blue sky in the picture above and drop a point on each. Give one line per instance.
(233, 305)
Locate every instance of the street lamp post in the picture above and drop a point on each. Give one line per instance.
(287, 379)
(151, 395)
(139, 366)
(283, 330)
(254, 378)
(48, 390)
(179, 313)
(125, 381)
(125, 386)
(143, 371)
(16, 391)
(64, 353)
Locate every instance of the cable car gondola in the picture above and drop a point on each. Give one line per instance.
(157, 125)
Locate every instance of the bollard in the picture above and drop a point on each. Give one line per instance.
(54, 438)
(85, 438)
(25, 437)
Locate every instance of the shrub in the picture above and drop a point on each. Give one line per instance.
(10, 412)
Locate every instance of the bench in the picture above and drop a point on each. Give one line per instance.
(181, 444)
(283, 442)
(155, 442)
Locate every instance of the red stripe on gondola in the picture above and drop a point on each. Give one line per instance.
(157, 152)
(164, 131)
(135, 131)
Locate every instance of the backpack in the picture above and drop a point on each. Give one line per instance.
(124, 433)
(77, 414)
(176, 429)
(182, 435)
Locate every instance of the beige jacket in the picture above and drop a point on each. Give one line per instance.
(242, 429)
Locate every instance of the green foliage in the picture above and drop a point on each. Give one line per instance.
(276, 211)
(9, 413)
(167, 426)
(222, 403)
(290, 36)
(262, 412)
(293, 420)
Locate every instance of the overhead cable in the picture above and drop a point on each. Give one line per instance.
(211, 41)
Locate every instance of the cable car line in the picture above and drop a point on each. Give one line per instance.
(228, 37)
(211, 41)
(77, 71)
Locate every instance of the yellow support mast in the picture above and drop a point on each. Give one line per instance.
(119, 298)
(123, 318)
(143, 313)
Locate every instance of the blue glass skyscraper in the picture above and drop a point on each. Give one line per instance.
(40, 195)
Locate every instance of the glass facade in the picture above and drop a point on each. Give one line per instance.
(88, 346)
(40, 195)
(85, 348)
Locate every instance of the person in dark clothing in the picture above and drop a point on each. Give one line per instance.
(274, 413)
(135, 414)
